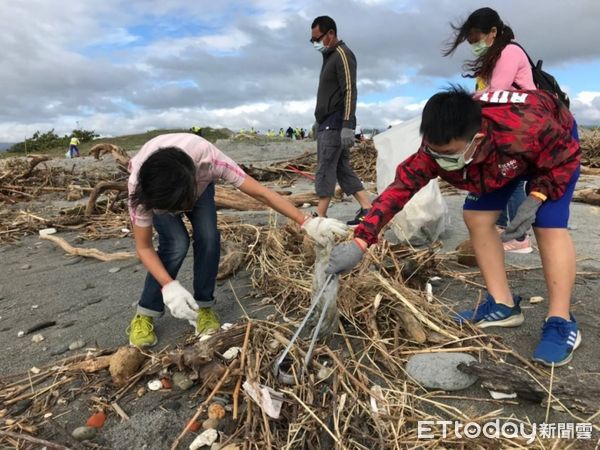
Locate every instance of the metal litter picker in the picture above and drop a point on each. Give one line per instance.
(288, 378)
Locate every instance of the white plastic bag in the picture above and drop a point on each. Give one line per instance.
(425, 216)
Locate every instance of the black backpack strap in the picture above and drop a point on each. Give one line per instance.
(533, 65)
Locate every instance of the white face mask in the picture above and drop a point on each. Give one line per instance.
(479, 48)
(452, 162)
(319, 46)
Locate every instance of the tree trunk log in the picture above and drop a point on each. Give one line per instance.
(580, 391)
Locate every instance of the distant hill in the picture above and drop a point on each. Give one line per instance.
(131, 142)
(5, 145)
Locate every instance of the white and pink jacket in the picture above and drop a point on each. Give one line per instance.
(211, 165)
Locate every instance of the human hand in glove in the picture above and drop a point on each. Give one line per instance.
(347, 137)
(179, 301)
(523, 220)
(344, 257)
(323, 230)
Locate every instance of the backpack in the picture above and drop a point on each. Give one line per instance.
(543, 80)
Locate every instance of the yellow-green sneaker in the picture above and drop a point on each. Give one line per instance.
(207, 321)
(141, 331)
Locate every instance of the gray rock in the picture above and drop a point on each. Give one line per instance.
(182, 381)
(73, 261)
(114, 270)
(25, 267)
(173, 405)
(59, 350)
(21, 406)
(438, 370)
(76, 345)
(84, 433)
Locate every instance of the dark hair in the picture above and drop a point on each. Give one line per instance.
(167, 181)
(451, 114)
(325, 24)
(482, 20)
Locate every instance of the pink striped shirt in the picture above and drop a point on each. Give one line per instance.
(211, 165)
(512, 67)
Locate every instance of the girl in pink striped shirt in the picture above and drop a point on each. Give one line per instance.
(499, 64)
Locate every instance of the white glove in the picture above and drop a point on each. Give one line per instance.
(323, 230)
(179, 301)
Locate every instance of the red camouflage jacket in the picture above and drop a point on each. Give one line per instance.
(528, 135)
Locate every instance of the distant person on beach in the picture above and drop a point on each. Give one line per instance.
(73, 148)
(498, 64)
(289, 132)
(172, 176)
(335, 115)
(487, 145)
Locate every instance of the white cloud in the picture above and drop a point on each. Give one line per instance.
(235, 64)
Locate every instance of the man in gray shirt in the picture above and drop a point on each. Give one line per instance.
(335, 115)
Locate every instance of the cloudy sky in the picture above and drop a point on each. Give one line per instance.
(119, 66)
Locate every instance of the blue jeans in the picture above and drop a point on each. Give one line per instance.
(515, 200)
(173, 244)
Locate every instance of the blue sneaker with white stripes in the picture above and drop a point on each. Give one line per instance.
(560, 338)
(492, 314)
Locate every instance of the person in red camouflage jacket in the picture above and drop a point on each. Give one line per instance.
(486, 144)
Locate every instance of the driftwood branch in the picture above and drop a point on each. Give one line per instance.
(580, 392)
(88, 252)
(33, 162)
(99, 189)
(589, 196)
(97, 151)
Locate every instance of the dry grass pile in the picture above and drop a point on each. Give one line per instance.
(590, 146)
(356, 394)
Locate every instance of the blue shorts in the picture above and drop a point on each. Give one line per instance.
(552, 213)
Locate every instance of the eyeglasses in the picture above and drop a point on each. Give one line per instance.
(450, 158)
(313, 40)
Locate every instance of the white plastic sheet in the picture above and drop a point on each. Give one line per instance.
(425, 216)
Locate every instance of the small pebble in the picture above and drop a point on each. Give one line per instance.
(35, 306)
(114, 270)
(96, 420)
(536, 299)
(20, 407)
(154, 385)
(210, 424)
(172, 405)
(216, 411)
(84, 433)
(76, 345)
(182, 381)
(59, 350)
(37, 338)
(232, 353)
(72, 261)
(93, 301)
(25, 267)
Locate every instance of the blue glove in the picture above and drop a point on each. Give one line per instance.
(344, 257)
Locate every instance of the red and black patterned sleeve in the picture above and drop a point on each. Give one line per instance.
(557, 157)
(411, 175)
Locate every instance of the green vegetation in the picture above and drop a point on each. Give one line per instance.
(50, 143)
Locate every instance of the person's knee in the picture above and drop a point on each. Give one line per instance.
(209, 239)
(480, 220)
(174, 247)
(551, 234)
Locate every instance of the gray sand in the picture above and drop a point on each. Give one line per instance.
(39, 283)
